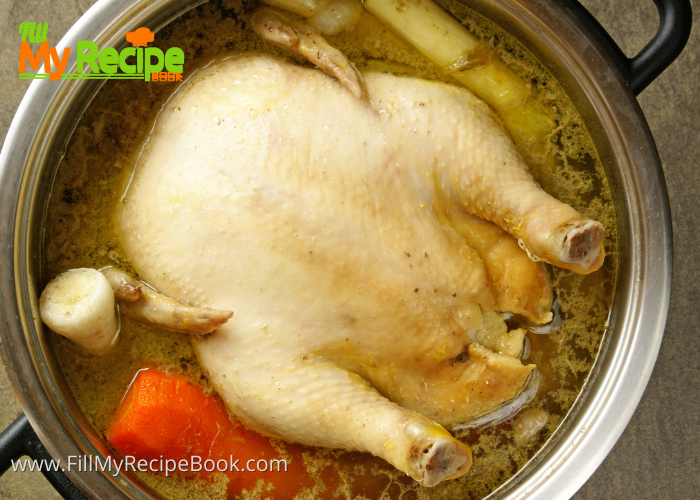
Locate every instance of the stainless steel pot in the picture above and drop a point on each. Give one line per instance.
(595, 74)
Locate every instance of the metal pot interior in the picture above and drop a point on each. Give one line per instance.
(50, 111)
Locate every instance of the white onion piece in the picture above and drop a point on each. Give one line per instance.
(305, 8)
(338, 16)
(528, 424)
(525, 353)
(552, 326)
(79, 305)
(506, 410)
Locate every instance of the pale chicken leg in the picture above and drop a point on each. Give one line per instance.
(270, 190)
(317, 403)
(479, 166)
(521, 285)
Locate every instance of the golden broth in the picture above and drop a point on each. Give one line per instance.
(80, 231)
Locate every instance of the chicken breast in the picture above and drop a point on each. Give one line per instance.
(336, 229)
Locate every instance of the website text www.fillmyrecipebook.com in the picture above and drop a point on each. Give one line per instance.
(87, 463)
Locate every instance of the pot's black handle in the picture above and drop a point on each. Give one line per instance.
(675, 21)
(19, 439)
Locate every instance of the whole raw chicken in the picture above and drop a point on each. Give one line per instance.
(339, 232)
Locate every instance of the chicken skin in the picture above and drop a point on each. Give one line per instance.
(338, 231)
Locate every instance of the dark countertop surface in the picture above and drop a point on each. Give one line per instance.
(658, 455)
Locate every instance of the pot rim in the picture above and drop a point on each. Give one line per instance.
(612, 394)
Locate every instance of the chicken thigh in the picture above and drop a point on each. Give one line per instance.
(338, 230)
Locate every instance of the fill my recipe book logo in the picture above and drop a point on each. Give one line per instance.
(138, 62)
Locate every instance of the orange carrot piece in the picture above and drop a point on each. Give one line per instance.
(165, 417)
